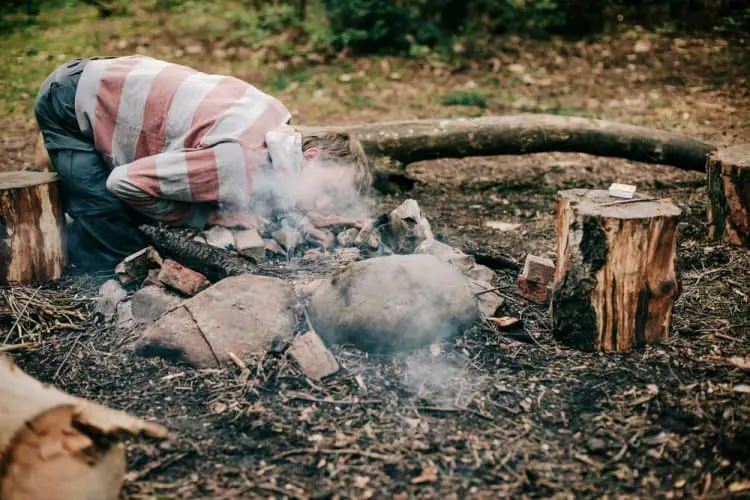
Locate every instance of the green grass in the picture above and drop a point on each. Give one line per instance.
(461, 98)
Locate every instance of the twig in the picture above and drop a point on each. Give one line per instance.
(489, 290)
(305, 397)
(157, 464)
(438, 409)
(70, 351)
(18, 318)
(327, 451)
(17, 347)
(625, 202)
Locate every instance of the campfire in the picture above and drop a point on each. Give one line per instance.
(223, 295)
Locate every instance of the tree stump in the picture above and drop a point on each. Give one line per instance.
(615, 278)
(728, 172)
(32, 224)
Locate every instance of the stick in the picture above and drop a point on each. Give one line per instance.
(18, 318)
(489, 290)
(326, 451)
(625, 202)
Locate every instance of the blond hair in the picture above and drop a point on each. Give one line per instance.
(341, 148)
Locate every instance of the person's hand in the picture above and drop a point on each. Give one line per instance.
(244, 220)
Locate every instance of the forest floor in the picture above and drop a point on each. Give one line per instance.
(491, 415)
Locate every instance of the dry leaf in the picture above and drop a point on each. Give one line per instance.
(742, 388)
(428, 475)
(740, 362)
(739, 486)
(505, 321)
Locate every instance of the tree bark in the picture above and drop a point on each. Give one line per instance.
(411, 141)
(213, 263)
(54, 446)
(615, 277)
(32, 236)
(728, 173)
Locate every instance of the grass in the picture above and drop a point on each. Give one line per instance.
(462, 98)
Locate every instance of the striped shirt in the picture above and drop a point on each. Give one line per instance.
(175, 135)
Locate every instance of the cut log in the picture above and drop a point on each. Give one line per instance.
(615, 279)
(729, 195)
(55, 446)
(213, 263)
(32, 228)
(411, 141)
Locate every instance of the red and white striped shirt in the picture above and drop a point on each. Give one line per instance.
(176, 134)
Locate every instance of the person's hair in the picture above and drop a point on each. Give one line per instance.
(341, 148)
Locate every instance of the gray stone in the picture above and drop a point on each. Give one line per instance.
(346, 238)
(151, 302)
(312, 356)
(249, 243)
(125, 318)
(240, 314)
(489, 302)
(408, 227)
(446, 253)
(111, 293)
(387, 304)
(288, 238)
(219, 237)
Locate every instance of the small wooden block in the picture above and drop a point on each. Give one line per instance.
(180, 278)
(273, 247)
(621, 190)
(249, 243)
(136, 266)
(288, 238)
(532, 290)
(312, 356)
(539, 269)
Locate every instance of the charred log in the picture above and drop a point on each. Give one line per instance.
(214, 263)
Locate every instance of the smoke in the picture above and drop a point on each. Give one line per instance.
(443, 381)
(287, 198)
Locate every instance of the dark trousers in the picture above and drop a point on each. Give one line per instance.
(104, 230)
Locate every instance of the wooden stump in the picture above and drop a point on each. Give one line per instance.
(32, 224)
(728, 172)
(55, 446)
(615, 278)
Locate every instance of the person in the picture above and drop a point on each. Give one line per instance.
(136, 139)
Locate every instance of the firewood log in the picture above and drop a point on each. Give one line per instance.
(410, 141)
(615, 277)
(729, 195)
(32, 224)
(213, 263)
(54, 446)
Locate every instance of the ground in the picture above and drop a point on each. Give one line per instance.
(491, 414)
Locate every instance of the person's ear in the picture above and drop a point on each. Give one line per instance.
(311, 153)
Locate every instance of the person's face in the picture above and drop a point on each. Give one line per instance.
(322, 186)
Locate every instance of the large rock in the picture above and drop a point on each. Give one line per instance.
(240, 314)
(393, 303)
(151, 302)
(111, 293)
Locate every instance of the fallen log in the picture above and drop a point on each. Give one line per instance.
(728, 173)
(32, 228)
(54, 446)
(615, 279)
(213, 263)
(411, 141)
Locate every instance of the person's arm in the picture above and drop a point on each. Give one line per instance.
(184, 187)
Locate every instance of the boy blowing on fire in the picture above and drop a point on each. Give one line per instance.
(136, 139)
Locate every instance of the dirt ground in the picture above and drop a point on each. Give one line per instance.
(493, 414)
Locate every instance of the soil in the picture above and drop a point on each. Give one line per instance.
(511, 413)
